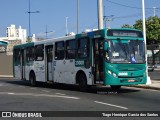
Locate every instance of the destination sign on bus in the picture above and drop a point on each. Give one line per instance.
(124, 33)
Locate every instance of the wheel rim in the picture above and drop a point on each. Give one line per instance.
(82, 83)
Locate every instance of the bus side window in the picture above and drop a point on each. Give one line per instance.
(17, 56)
(59, 50)
(39, 52)
(30, 54)
(70, 49)
(83, 48)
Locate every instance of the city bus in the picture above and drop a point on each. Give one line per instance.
(114, 57)
(3, 46)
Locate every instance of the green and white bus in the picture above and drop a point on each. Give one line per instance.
(3, 46)
(114, 57)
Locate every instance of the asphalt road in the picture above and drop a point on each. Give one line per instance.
(17, 95)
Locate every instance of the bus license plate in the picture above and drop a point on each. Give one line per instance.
(131, 80)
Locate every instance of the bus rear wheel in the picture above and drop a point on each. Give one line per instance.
(83, 87)
(115, 87)
(32, 79)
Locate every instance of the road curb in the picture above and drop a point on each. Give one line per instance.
(145, 87)
(6, 76)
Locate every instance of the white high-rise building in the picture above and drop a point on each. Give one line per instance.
(11, 31)
(22, 34)
(16, 34)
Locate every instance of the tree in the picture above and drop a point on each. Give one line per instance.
(126, 26)
(29, 39)
(152, 29)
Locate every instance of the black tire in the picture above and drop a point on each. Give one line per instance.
(83, 87)
(32, 79)
(115, 87)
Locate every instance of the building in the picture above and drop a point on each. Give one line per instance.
(11, 32)
(16, 34)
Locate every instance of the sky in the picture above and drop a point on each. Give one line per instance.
(53, 14)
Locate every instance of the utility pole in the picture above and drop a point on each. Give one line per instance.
(29, 12)
(108, 19)
(154, 10)
(66, 26)
(100, 14)
(77, 15)
(47, 32)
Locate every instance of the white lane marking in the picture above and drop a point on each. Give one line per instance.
(46, 91)
(110, 105)
(40, 95)
(60, 94)
(11, 93)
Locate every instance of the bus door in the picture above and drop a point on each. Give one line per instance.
(98, 60)
(49, 58)
(22, 63)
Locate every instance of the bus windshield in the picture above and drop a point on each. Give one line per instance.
(126, 51)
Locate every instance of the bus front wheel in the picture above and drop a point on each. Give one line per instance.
(115, 87)
(32, 79)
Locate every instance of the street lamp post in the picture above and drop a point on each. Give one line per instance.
(108, 19)
(29, 12)
(145, 41)
(47, 31)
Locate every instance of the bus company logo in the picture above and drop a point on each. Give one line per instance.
(6, 114)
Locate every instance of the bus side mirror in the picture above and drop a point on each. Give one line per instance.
(106, 55)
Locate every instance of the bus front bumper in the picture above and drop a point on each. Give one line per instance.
(134, 80)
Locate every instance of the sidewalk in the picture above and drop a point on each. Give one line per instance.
(6, 76)
(155, 84)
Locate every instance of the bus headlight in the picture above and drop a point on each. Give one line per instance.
(109, 72)
(114, 74)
